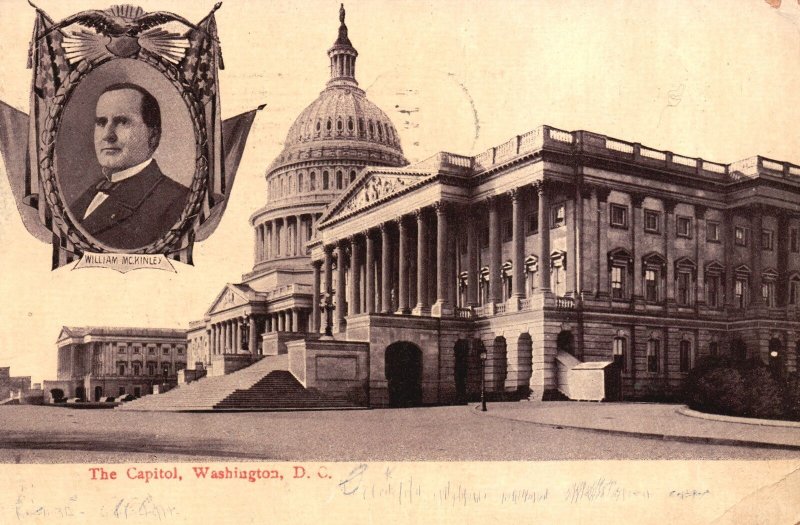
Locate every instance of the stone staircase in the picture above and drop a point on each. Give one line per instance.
(279, 390)
(264, 385)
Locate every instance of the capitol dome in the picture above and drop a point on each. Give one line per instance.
(329, 143)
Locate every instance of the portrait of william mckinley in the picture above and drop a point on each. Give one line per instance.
(133, 203)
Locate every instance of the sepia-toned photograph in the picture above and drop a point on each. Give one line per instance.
(482, 261)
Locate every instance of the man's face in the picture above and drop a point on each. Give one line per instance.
(121, 138)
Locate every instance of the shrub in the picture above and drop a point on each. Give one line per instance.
(718, 390)
(791, 397)
(764, 396)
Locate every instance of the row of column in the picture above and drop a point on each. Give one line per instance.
(373, 255)
(225, 337)
(283, 237)
(289, 320)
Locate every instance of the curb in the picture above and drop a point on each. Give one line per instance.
(654, 435)
(686, 411)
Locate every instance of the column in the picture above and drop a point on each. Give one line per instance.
(495, 271)
(295, 320)
(212, 340)
(340, 285)
(355, 275)
(443, 261)
(669, 252)
(370, 274)
(237, 335)
(268, 240)
(298, 221)
(386, 269)
(422, 264)
(287, 238)
(281, 321)
(518, 247)
(544, 236)
(699, 255)
(601, 199)
(473, 280)
(315, 298)
(756, 299)
(252, 334)
(257, 254)
(402, 257)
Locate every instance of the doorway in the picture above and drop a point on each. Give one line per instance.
(404, 374)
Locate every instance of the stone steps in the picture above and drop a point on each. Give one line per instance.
(278, 389)
(207, 392)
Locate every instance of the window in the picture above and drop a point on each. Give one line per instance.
(338, 180)
(300, 185)
(740, 236)
(684, 288)
(180, 350)
(533, 223)
(618, 282)
(712, 231)
(165, 350)
(794, 290)
(683, 227)
(122, 390)
(350, 124)
(325, 180)
(766, 239)
(121, 368)
(653, 351)
(621, 353)
(151, 350)
(713, 290)
(685, 356)
(165, 368)
(652, 221)
(557, 216)
(740, 291)
(558, 262)
(531, 267)
(122, 349)
(651, 278)
(794, 240)
(768, 293)
(713, 348)
(352, 176)
(136, 350)
(312, 182)
(508, 231)
(151, 369)
(619, 216)
(137, 369)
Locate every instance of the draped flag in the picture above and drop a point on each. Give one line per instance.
(98, 48)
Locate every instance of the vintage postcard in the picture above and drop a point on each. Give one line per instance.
(425, 261)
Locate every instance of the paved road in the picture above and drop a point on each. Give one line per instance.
(41, 434)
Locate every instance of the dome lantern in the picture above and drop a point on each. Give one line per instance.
(343, 57)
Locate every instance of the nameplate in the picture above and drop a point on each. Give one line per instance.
(125, 262)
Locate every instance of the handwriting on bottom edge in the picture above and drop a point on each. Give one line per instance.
(404, 489)
(141, 508)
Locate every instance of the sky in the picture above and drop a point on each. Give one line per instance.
(711, 78)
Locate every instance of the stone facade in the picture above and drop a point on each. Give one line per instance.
(17, 385)
(99, 362)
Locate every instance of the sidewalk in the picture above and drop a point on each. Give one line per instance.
(656, 421)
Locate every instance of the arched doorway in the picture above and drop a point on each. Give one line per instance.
(776, 357)
(80, 393)
(461, 369)
(98, 393)
(404, 374)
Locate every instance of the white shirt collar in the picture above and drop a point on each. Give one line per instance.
(119, 176)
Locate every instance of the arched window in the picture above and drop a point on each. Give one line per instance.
(339, 125)
(325, 181)
(350, 124)
(361, 130)
(312, 181)
(300, 181)
(319, 126)
(685, 349)
(371, 130)
(794, 290)
(338, 180)
(380, 131)
(352, 176)
(620, 351)
(329, 125)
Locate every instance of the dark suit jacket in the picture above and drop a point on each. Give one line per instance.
(138, 211)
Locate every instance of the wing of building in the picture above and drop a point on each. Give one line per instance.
(565, 263)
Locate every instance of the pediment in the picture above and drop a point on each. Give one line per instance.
(371, 188)
(230, 297)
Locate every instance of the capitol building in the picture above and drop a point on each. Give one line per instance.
(559, 264)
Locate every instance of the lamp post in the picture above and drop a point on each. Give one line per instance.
(483, 380)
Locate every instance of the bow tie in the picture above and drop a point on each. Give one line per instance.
(105, 186)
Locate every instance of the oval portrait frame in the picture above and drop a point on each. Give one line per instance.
(62, 216)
